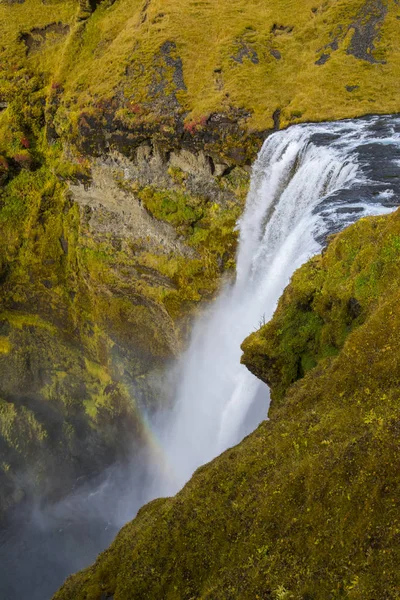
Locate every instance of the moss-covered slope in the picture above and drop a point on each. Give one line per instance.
(306, 507)
(328, 298)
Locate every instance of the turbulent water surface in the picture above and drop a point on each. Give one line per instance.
(308, 181)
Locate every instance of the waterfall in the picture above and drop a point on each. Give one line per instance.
(308, 181)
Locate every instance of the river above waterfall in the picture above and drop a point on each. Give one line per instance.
(309, 181)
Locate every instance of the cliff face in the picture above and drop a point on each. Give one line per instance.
(126, 135)
(98, 284)
(306, 506)
(104, 257)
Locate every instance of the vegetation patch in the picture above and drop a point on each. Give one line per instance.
(326, 300)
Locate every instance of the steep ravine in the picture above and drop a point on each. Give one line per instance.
(101, 280)
(97, 290)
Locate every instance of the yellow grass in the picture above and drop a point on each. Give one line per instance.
(91, 63)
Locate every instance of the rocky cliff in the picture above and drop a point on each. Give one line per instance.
(306, 507)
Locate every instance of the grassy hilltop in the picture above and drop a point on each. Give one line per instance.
(150, 60)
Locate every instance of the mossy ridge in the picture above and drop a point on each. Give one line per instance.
(326, 299)
(131, 72)
(307, 506)
(297, 32)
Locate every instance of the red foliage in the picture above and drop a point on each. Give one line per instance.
(24, 160)
(3, 164)
(195, 125)
(135, 108)
(25, 142)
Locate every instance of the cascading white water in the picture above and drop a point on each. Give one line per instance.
(294, 200)
(308, 181)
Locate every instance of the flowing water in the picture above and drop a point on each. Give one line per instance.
(308, 181)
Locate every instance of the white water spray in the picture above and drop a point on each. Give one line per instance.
(292, 203)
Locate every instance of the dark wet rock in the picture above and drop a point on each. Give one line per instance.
(172, 60)
(278, 29)
(245, 51)
(276, 54)
(323, 59)
(277, 119)
(366, 30)
(36, 37)
(354, 308)
(221, 133)
(352, 88)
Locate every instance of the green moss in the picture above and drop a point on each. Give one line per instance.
(175, 207)
(18, 427)
(326, 300)
(5, 345)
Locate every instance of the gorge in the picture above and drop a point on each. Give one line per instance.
(308, 182)
(199, 323)
(215, 539)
